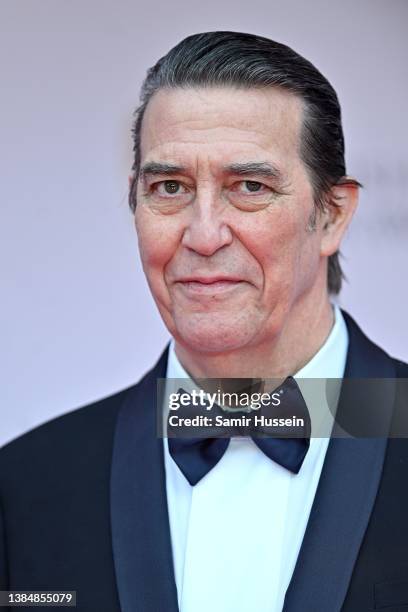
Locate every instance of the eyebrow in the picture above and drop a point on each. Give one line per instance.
(155, 168)
(264, 169)
(260, 168)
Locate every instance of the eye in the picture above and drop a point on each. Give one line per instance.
(171, 186)
(168, 188)
(253, 186)
(251, 195)
(168, 196)
(250, 187)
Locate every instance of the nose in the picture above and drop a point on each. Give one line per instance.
(207, 230)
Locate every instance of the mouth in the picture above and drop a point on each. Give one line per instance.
(209, 285)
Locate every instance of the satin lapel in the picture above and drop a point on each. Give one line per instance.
(346, 492)
(139, 517)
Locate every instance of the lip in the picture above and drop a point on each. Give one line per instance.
(208, 285)
(209, 280)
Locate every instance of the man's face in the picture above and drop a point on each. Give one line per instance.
(223, 215)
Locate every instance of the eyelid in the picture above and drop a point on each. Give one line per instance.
(153, 186)
(250, 180)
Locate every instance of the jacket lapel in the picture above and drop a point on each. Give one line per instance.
(139, 517)
(338, 520)
(347, 488)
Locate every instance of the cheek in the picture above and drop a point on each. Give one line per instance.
(275, 241)
(156, 240)
(284, 248)
(293, 260)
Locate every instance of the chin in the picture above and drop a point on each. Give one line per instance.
(209, 333)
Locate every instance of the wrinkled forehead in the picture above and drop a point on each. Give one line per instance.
(223, 124)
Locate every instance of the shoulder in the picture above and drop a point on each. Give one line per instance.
(373, 360)
(76, 444)
(70, 442)
(74, 440)
(401, 368)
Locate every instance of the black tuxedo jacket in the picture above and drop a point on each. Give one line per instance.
(83, 507)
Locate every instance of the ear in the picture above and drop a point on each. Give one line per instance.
(342, 202)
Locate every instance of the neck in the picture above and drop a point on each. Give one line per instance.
(300, 337)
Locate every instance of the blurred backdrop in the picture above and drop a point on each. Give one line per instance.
(77, 320)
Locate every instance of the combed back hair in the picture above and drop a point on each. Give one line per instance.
(244, 61)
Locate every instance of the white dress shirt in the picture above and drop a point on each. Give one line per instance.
(236, 535)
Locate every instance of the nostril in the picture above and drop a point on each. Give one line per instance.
(205, 239)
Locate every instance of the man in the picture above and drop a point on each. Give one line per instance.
(241, 200)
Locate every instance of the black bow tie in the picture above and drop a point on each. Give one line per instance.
(196, 456)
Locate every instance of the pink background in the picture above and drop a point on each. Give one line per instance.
(77, 321)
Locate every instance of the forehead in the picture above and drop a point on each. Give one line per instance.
(221, 124)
